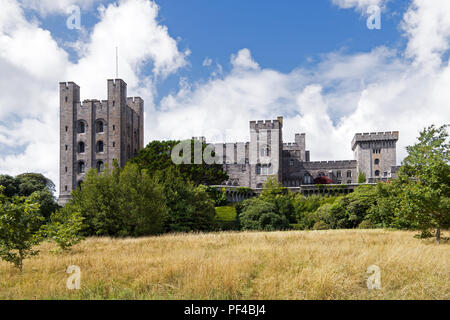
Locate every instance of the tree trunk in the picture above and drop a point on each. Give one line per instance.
(438, 235)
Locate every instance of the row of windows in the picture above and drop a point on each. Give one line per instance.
(99, 126)
(378, 173)
(265, 169)
(99, 147)
(82, 166)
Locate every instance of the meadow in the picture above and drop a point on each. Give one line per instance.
(327, 264)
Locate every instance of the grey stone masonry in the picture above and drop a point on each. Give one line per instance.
(248, 164)
(96, 133)
(376, 153)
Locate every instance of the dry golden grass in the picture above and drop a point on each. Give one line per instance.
(277, 265)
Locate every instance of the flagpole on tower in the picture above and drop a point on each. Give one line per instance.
(117, 62)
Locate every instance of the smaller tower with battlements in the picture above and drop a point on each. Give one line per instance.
(376, 154)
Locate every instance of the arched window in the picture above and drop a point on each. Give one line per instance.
(99, 126)
(81, 126)
(100, 146)
(81, 147)
(265, 151)
(377, 173)
(377, 161)
(338, 174)
(349, 174)
(100, 166)
(307, 179)
(81, 167)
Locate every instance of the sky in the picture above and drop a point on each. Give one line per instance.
(206, 68)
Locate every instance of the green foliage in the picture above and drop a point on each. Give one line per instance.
(362, 177)
(20, 221)
(156, 156)
(258, 214)
(26, 184)
(226, 218)
(190, 208)
(366, 224)
(126, 202)
(305, 208)
(273, 192)
(424, 181)
(219, 196)
(320, 225)
(64, 228)
(226, 213)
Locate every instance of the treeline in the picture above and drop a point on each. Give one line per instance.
(418, 199)
(151, 195)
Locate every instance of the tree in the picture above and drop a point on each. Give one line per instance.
(28, 183)
(156, 156)
(64, 228)
(274, 192)
(425, 181)
(120, 202)
(257, 214)
(362, 177)
(190, 208)
(19, 228)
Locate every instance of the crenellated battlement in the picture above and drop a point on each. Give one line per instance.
(267, 124)
(374, 136)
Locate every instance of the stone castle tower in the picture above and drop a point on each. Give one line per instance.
(375, 153)
(96, 133)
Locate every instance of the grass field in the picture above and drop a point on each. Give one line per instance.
(277, 265)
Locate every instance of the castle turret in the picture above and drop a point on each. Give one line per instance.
(69, 97)
(266, 147)
(376, 154)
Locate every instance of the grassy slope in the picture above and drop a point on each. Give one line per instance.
(278, 265)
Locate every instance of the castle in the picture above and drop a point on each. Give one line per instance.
(249, 164)
(95, 133)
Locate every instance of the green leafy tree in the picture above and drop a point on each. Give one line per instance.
(258, 214)
(274, 192)
(20, 221)
(28, 183)
(64, 228)
(120, 202)
(190, 207)
(362, 177)
(425, 181)
(156, 156)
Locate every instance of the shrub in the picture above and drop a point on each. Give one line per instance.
(126, 202)
(226, 213)
(261, 215)
(20, 221)
(366, 224)
(320, 225)
(64, 228)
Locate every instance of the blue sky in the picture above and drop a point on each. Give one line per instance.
(206, 68)
(282, 35)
